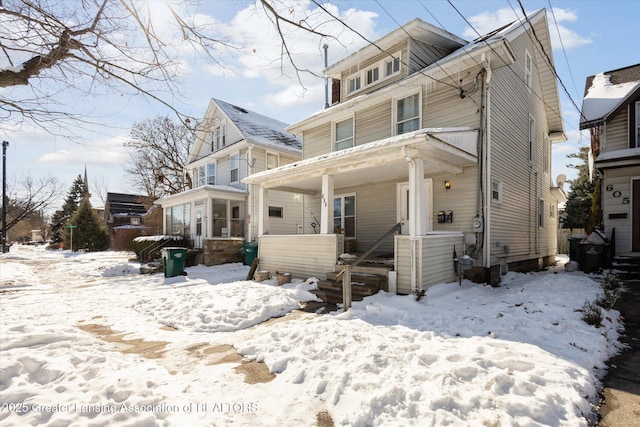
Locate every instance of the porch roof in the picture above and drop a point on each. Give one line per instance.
(205, 191)
(442, 149)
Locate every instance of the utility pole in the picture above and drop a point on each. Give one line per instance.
(5, 200)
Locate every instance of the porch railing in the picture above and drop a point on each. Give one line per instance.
(346, 271)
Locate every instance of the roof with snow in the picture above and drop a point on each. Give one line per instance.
(259, 129)
(607, 92)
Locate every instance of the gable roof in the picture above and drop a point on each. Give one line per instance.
(255, 128)
(605, 93)
(494, 47)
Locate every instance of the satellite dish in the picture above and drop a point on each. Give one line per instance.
(560, 180)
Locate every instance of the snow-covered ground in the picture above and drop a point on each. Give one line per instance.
(87, 341)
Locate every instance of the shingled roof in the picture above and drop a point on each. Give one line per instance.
(259, 129)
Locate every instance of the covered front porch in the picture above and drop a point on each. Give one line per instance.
(354, 196)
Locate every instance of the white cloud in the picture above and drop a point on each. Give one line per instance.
(106, 151)
(489, 21)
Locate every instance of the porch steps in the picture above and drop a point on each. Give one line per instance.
(628, 268)
(362, 285)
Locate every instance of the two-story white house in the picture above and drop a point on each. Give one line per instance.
(218, 214)
(449, 139)
(611, 112)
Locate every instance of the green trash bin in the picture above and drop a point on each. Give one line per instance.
(173, 261)
(250, 250)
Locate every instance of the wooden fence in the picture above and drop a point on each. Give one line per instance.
(563, 238)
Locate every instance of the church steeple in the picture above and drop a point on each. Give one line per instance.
(85, 188)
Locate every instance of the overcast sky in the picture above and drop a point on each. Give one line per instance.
(589, 37)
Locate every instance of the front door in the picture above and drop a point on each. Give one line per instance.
(402, 209)
(635, 216)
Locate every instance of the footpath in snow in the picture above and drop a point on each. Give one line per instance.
(87, 341)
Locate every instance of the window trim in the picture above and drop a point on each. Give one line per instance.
(532, 138)
(499, 191)
(334, 133)
(394, 109)
(219, 138)
(541, 213)
(232, 169)
(528, 70)
(266, 160)
(215, 172)
(281, 208)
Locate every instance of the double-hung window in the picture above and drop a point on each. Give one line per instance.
(234, 166)
(201, 176)
(532, 139)
(211, 173)
(344, 134)
(220, 136)
(407, 114)
(528, 70)
(354, 84)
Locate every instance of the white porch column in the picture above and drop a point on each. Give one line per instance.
(326, 205)
(263, 211)
(417, 200)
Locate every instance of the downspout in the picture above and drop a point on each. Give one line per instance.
(250, 188)
(487, 165)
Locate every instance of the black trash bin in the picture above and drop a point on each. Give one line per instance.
(173, 261)
(250, 250)
(574, 246)
(593, 256)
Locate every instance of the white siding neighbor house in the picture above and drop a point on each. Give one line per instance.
(218, 214)
(611, 111)
(436, 145)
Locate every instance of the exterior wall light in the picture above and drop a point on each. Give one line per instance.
(447, 184)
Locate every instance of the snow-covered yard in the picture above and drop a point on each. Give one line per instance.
(87, 341)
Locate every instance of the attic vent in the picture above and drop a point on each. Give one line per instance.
(242, 110)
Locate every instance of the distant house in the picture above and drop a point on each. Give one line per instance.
(126, 218)
(219, 213)
(611, 112)
(449, 139)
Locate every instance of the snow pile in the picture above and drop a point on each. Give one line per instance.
(92, 344)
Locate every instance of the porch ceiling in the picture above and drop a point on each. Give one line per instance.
(441, 149)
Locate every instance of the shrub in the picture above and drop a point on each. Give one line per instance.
(592, 314)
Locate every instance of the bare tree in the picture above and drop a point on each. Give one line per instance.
(30, 196)
(159, 152)
(50, 49)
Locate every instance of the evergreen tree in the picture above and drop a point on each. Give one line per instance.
(59, 219)
(581, 210)
(89, 232)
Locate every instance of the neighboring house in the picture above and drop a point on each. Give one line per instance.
(611, 112)
(219, 212)
(126, 218)
(448, 138)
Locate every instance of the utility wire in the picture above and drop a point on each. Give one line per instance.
(564, 51)
(548, 58)
(378, 47)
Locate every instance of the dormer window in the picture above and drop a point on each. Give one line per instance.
(354, 84)
(392, 66)
(375, 74)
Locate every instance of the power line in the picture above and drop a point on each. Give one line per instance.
(378, 47)
(564, 51)
(551, 66)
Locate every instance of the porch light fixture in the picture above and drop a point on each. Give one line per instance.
(447, 184)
